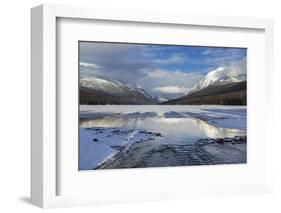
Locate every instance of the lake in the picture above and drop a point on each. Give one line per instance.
(107, 131)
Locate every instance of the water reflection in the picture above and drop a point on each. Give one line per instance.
(175, 129)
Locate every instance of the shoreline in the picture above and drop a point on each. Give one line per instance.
(122, 137)
(206, 151)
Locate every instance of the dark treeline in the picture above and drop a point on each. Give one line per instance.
(228, 94)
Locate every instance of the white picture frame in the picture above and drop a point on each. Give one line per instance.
(44, 135)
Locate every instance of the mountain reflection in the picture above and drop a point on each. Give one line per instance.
(175, 129)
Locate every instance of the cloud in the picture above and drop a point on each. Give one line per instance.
(172, 89)
(237, 68)
(173, 59)
(223, 56)
(121, 62)
(169, 83)
(167, 77)
(84, 64)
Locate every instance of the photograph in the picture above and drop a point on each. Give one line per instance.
(161, 105)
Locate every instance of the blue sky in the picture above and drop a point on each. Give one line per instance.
(167, 71)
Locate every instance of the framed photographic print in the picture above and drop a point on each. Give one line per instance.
(149, 106)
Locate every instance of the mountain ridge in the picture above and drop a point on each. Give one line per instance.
(102, 91)
(234, 93)
(216, 87)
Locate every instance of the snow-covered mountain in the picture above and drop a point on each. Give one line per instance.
(113, 92)
(219, 76)
(220, 87)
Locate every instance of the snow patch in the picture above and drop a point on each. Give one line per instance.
(99, 144)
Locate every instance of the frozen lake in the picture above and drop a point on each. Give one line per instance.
(105, 130)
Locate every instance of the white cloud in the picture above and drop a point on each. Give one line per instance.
(170, 84)
(84, 64)
(172, 89)
(236, 68)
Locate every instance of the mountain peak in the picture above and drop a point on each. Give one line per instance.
(99, 90)
(218, 76)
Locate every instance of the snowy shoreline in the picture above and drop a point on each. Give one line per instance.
(210, 152)
(109, 133)
(98, 145)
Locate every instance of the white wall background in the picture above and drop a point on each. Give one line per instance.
(15, 99)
